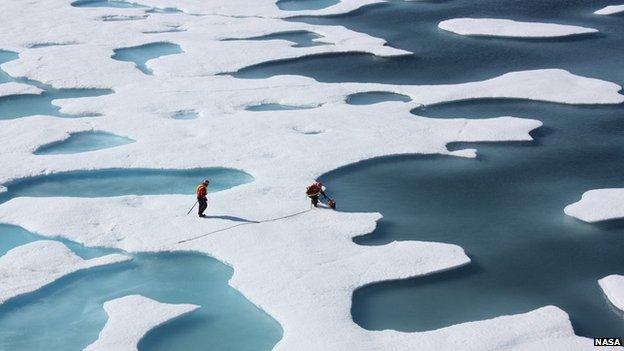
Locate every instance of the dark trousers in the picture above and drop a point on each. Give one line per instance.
(203, 205)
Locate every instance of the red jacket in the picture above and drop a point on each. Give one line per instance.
(201, 191)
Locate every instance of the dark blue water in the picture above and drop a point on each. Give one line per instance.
(143, 53)
(68, 314)
(443, 57)
(505, 208)
(83, 142)
(124, 181)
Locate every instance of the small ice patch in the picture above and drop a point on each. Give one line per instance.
(495, 27)
(613, 288)
(610, 10)
(131, 317)
(598, 205)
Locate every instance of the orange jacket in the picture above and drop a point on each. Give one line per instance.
(201, 191)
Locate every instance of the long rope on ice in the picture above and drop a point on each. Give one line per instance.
(240, 224)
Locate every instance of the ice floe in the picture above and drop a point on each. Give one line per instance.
(13, 88)
(610, 10)
(29, 267)
(131, 317)
(613, 288)
(509, 28)
(598, 205)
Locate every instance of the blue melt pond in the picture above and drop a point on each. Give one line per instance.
(72, 306)
(143, 53)
(300, 39)
(105, 3)
(277, 107)
(375, 97)
(118, 182)
(300, 5)
(83, 142)
(16, 106)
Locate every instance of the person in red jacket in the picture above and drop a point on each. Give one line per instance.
(202, 191)
(314, 191)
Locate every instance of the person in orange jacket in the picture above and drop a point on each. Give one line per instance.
(202, 191)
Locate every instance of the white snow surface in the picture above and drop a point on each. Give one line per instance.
(598, 205)
(512, 29)
(302, 269)
(34, 265)
(13, 88)
(613, 288)
(610, 10)
(131, 317)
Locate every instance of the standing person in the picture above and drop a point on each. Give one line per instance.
(314, 191)
(202, 191)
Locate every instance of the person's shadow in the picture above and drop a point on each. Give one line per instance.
(231, 218)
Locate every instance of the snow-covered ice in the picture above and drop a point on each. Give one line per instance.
(131, 317)
(512, 29)
(299, 266)
(29, 267)
(610, 10)
(598, 205)
(613, 288)
(13, 88)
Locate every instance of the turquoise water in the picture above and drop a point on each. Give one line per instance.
(83, 142)
(300, 39)
(143, 53)
(374, 97)
(300, 5)
(105, 3)
(276, 107)
(68, 314)
(118, 182)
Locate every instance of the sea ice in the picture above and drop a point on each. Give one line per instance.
(598, 205)
(512, 29)
(613, 288)
(299, 265)
(131, 317)
(13, 88)
(610, 10)
(31, 266)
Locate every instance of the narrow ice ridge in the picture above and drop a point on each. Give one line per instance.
(610, 10)
(131, 317)
(613, 288)
(598, 205)
(30, 267)
(511, 29)
(13, 88)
